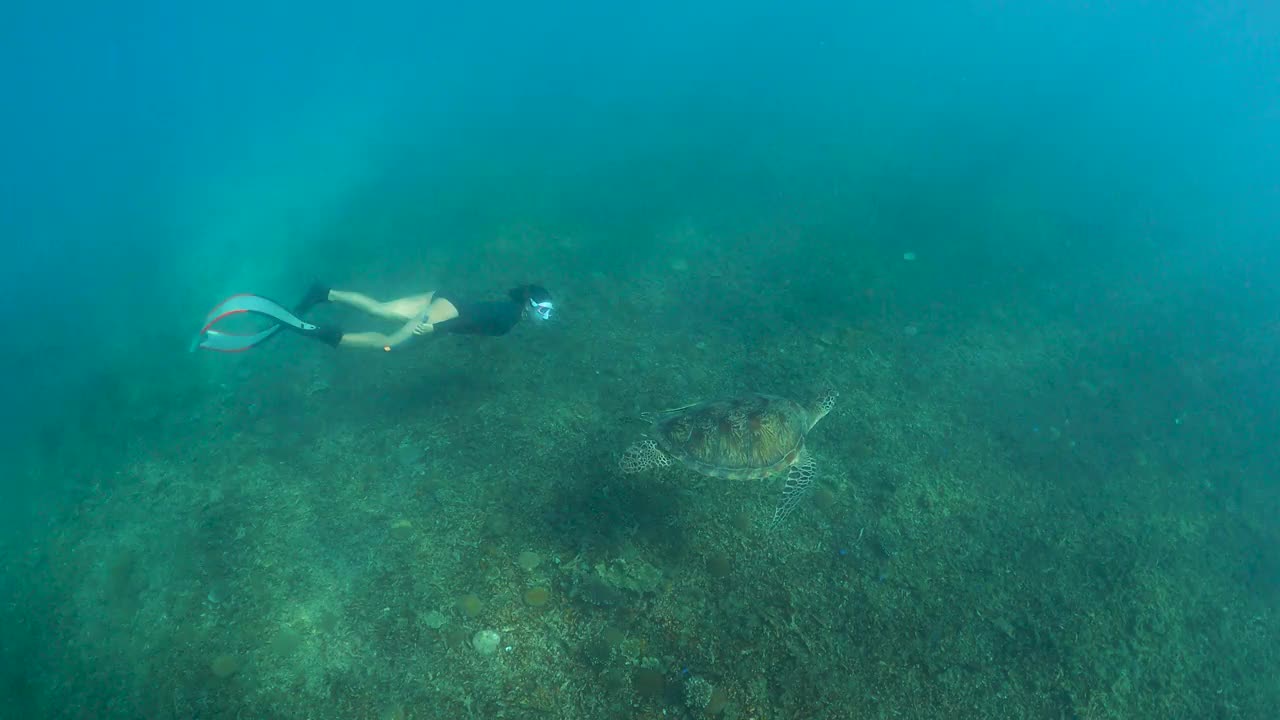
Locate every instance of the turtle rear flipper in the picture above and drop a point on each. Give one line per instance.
(798, 484)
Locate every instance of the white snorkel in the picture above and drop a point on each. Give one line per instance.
(542, 310)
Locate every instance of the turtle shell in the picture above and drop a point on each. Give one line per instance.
(743, 438)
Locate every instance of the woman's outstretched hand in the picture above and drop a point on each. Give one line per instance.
(415, 326)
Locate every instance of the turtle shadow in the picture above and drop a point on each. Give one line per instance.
(602, 511)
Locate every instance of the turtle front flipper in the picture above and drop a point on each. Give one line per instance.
(642, 456)
(797, 486)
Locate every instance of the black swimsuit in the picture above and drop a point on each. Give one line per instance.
(482, 318)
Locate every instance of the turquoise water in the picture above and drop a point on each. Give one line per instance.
(1032, 248)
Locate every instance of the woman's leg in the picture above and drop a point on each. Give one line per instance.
(401, 309)
(379, 340)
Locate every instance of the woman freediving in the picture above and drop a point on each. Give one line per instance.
(429, 313)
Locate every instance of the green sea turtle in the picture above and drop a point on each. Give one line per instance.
(750, 437)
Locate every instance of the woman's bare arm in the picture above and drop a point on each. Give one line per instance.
(383, 341)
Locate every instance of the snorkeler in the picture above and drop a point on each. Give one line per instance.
(425, 314)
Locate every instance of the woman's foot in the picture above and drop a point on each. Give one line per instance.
(316, 294)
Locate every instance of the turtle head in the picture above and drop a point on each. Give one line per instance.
(642, 456)
(822, 405)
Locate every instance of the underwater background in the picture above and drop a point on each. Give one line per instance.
(1033, 246)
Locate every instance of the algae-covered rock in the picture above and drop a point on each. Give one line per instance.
(635, 576)
(611, 584)
(697, 693)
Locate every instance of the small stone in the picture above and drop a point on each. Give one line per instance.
(824, 498)
(697, 693)
(470, 605)
(286, 642)
(648, 683)
(224, 666)
(528, 560)
(719, 566)
(718, 702)
(486, 642)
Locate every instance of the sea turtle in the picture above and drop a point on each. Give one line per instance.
(749, 437)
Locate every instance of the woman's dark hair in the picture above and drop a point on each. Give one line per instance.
(525, 293)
